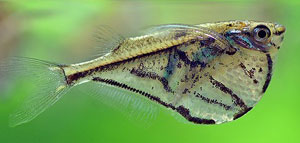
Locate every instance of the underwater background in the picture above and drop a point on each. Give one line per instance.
(62, 31)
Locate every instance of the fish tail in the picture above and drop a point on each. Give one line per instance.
(47, 79)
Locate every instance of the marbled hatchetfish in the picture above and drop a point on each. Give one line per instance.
(208, 73)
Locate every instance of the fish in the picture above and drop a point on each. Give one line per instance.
(209, 73)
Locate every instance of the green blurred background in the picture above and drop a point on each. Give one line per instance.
(59, 30)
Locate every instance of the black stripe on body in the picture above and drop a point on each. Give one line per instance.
(152, 75)
(187, 61)
(63, 71)
(72, 78)
(237, 101)
(249, 73)
(213, 101)
(180, 109)
(241, 113)
(269, 75)
(77, 76)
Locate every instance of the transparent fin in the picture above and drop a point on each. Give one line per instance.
(107, 40)
(163, 27)
(135, 107)
(46, 79)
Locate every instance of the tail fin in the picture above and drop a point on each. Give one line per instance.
(48, 80)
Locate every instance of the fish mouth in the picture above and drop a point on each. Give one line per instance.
(279, 29)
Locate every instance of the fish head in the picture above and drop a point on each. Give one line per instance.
(263, 37)
(247, 66)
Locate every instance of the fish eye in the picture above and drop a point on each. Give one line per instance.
(261, 33)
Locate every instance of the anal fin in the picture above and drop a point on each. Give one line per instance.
(134, 107)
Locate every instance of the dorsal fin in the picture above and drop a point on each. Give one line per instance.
(158, 28)
(107, 39)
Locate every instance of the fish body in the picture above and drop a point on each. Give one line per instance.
(209, 73)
